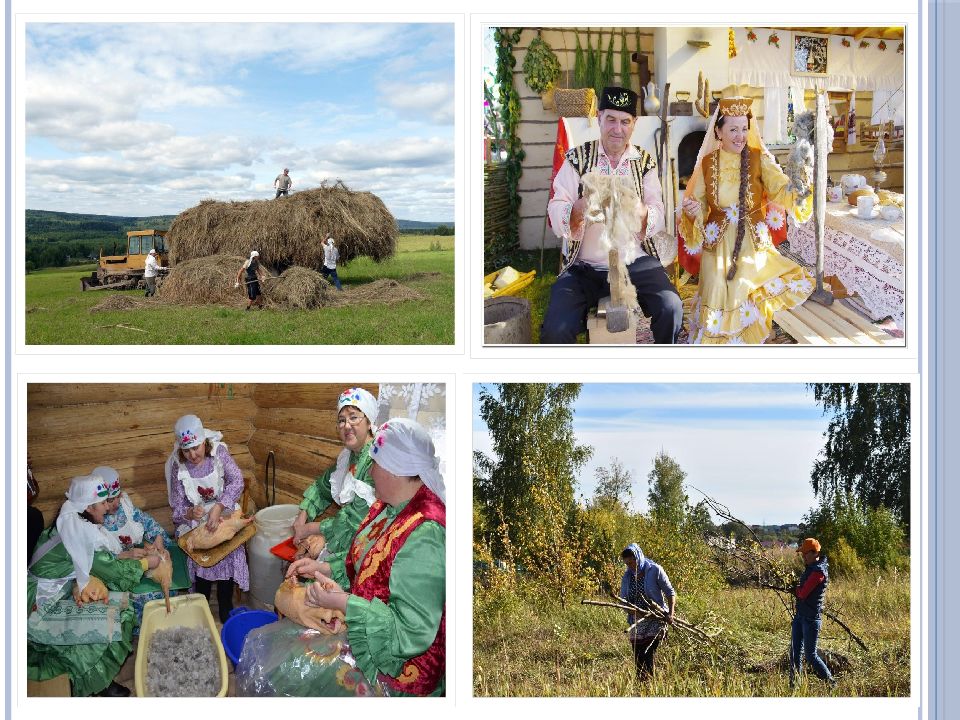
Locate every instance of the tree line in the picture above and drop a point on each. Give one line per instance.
(526, 515)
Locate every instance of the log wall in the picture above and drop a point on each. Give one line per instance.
(72, 428)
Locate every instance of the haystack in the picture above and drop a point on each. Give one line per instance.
(118, 302)
(289, 230)
(204, 281)
(301, 289)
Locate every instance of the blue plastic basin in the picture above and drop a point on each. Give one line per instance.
(235, 629)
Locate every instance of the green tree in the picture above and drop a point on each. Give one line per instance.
(668, 502)
(536, 456)
(613, 486)
(846, 522)
(867, 450)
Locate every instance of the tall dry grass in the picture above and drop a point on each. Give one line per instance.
(525, 644)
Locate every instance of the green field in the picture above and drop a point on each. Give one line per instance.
(526, 644)
(58, 313)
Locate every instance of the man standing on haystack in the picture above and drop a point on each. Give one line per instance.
(330, 257)
(283, 183)
(150, 270)
(254, 275)
(583, 279)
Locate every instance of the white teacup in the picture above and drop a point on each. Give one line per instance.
(835, 193)
(865, 206)
(888, 212)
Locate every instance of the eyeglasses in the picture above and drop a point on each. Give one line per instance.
(350, 420)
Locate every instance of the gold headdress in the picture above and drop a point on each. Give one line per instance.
(736, 107)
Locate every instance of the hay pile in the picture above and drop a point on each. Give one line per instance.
(205, 281)
(289, 230)
(301, 289)
(118, 302)
(386, 291)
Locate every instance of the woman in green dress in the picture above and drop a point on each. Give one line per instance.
(346, 484)
(390, 583)
(80, 622)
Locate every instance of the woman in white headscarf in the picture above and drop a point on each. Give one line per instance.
(394, 570)
(205, 485)
(347, 486)
(133, 527)
(726, 221)
(89, 635)
(251, 274)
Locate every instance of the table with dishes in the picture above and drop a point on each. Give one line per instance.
(864, 250)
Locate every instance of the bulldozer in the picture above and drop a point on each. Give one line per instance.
(125, 272)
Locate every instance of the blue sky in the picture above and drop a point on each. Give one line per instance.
(151, 118)
(750, 446)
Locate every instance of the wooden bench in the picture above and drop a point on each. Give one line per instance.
(58, 686)
(837, 324)
(597, 333)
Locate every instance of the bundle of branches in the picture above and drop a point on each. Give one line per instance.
(747, 564)
(287, 231)
(204, 281)
(651, 612)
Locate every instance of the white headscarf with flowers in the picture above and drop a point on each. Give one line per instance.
(188, 432)
(80, 537)
(110, 477)
(343, 485)
(404, 448)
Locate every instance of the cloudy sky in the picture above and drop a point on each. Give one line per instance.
(144, 119)
(750, 446)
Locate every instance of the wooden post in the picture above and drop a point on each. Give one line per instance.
(822, 143)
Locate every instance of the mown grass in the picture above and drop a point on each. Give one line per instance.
(58, 313)
(526, 644)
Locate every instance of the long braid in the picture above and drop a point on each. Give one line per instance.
(741, 210)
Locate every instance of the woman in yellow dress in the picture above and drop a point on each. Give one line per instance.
(743, 279)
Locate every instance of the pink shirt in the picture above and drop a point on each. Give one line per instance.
(565, 187)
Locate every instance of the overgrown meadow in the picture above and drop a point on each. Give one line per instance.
(58, 313)
(528, 643)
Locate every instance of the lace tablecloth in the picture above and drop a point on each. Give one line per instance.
(866, 255)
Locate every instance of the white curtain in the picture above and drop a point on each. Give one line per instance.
(426, 403)
(775, 115)
(887, 105)
(760, 64)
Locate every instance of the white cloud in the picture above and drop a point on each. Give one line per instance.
(408, 153)
(161, 112)
(433, 100)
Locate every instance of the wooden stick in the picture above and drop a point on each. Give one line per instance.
(121, 325)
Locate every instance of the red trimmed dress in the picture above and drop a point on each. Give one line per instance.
(396, 612)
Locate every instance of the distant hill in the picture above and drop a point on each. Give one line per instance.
(48, 224)
(55, 239)
(420, 225)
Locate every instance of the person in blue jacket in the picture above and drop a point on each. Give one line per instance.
(644, 583)
(809, 592)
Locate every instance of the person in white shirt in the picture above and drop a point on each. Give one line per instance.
(330, 257)
(150, 270)
(583, 279)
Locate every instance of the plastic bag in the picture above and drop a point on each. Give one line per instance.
(284, 659)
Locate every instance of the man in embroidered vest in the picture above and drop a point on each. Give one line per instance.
(583, 279)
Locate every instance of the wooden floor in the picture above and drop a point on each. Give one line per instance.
(836, 324)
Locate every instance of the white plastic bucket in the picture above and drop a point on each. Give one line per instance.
(274, 525)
